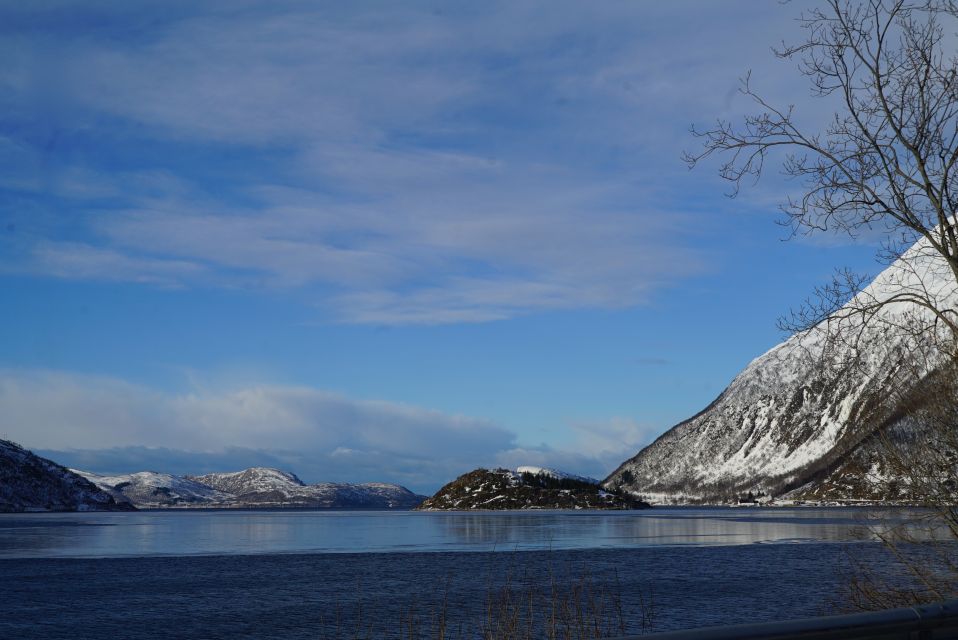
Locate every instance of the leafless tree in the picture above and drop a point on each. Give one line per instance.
(913, 460)
(886, 164)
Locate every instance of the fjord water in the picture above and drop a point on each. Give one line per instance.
(150, 533)
(283, 574)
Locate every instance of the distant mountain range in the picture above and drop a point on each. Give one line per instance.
(791, 428)
(256, 487)
(31, 483)
(270, 487)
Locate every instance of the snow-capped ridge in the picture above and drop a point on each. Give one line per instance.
(554, 473)
(252, 480)
(153, 489)
(262, 487)
(790, 415)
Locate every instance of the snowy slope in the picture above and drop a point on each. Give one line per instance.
(554, 473)
(261, 486)
(152, 490)
(786, 418)
(31, 483)
(255, 487)
(253, 480)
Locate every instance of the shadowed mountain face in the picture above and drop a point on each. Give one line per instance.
(799, 415)
(31, 483)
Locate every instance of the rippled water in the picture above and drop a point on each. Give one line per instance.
(299, 575)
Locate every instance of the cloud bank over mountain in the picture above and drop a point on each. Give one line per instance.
(103, 424)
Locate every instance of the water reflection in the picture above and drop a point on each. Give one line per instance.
(657, 527)
(255, 532)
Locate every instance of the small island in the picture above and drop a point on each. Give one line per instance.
(527, 488)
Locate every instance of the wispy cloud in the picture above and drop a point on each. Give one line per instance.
(82, 262)
(458, 252)
(397, 164)
(592, 448)
(651, 361)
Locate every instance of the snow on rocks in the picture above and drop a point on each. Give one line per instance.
(787, 419)
(149, 489)
(257, 487)
(554, 473)
(31, 483)
(500, 489)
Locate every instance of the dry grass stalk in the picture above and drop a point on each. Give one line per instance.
(570, 606)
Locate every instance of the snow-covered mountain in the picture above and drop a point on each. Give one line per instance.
(262, 486)
(798, 414)
(255, 480)
(554, 473)
(149, 489)
(254, 487)
(31, 483)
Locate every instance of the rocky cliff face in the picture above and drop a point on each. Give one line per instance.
(500, 489)
(806, 411)
(31, 483)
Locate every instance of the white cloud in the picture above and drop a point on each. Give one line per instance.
(476, 300)
(78, 261)
(115, 426)
(401, 165)
(51, 409)
(593, 449)
(460, 252)
(610, 439)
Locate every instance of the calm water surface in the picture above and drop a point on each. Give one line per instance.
(309, 575)
(80, 535)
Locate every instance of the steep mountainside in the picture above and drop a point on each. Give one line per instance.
(787, 422)
(499, 489)
(31, 483)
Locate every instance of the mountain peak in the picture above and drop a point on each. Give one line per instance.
(252, 480)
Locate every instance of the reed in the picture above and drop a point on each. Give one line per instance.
(567, 604)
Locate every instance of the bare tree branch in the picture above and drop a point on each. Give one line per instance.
(885, 162)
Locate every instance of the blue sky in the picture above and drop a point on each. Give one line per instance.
(382, 241)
